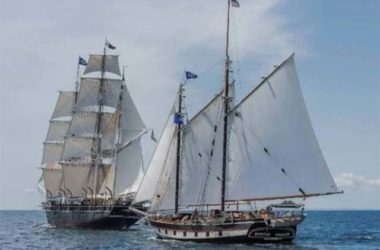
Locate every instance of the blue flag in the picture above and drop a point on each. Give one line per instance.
(190, 75)
(82, 61)
(178, 119)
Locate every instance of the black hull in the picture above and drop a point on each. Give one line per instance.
(96, 217)
(237, 232)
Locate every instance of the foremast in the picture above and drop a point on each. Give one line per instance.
(97, 158)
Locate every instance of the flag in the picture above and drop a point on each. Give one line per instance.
(235, 3)
(190, 75)
(178, 119)
(81, 61)
(152, 136)
(109, 45)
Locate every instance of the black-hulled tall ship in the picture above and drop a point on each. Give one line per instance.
(217, 175)
(92, 162)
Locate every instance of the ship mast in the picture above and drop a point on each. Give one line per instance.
(178, 120)
(98, 157)
(226, 108)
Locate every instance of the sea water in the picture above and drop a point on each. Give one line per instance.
(320, 230)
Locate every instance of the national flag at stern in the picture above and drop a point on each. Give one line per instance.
(109, 45)
(81, 61)
(190, 75)
(235, 3)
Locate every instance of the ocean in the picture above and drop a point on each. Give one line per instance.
(321, 230)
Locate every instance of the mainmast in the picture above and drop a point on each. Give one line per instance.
(98, 157)
(226, 108)
(178, 121)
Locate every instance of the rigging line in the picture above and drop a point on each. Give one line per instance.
(210, 68)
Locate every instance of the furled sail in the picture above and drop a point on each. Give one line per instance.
(95, 64)
(273, 149)
(151, 178)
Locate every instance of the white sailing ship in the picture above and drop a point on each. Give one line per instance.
(211, 173)
(92, 161)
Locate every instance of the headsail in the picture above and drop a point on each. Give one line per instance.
(149, 183)
(129, 162)
(273, 148)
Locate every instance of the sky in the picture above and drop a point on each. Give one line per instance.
(337, 46)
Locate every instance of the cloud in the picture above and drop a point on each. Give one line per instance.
(352, 181)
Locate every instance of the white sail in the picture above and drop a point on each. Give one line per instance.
(84, 124)
(129, 169)
(201, 170)
(57, 131)
(150, 180)
(89, 94)
(131, 124)
(95, 64)
(64, 105)
(52, 152)
(163, 197)
(129, 163)
(273, 149)
(78, 179)
(52, 176)
(77, 149)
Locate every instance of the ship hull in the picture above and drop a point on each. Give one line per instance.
(236, 232)
(97, 217)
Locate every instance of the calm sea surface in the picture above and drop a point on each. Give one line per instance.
(320, 230)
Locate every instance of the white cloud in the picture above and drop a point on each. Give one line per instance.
(352, 181)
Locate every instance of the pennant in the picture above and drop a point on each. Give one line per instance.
(109, 45)
(153, 137)
(190, 75)
(235, 3)
(81, 61)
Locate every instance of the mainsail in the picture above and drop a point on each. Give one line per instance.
(273, 149)
(84, 153)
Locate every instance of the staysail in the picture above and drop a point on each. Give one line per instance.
(273, 150)
(149, 183)
(129, 162)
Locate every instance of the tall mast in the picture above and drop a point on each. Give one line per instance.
(226, 108)
(77, 85)
(178, 159)
(98, 157)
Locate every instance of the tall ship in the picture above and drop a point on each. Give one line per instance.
(233, 171)
(92, 158)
